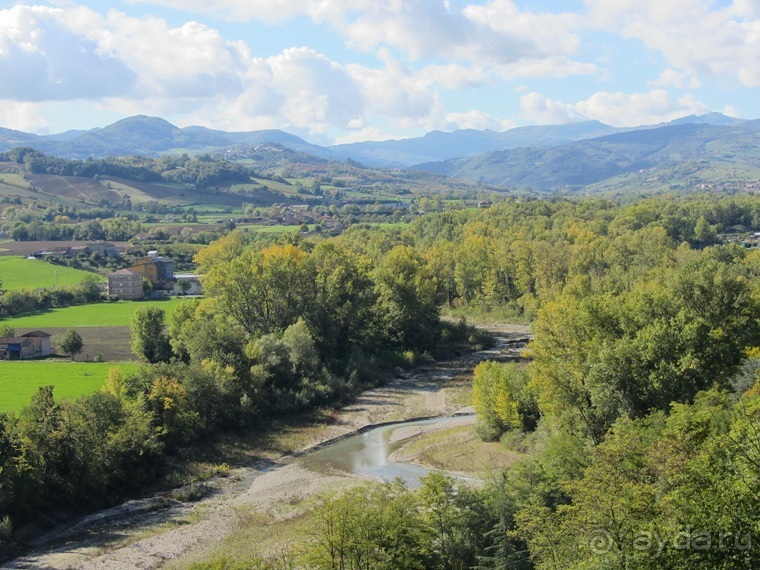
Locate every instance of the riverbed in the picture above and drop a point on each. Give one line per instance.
(156, 531)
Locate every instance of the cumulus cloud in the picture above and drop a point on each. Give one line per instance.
(194, 74)
(43, 58)
(673, 78)
(496, 33)
(22, 117)
(271, 11)
(474, 119)
(616, 109)
(703, 38)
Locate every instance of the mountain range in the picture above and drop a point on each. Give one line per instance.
(548, 158)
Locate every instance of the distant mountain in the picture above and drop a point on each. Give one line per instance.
(151, 136)
(579, 164)
(17, 138)
(708, 119)
(438, 145)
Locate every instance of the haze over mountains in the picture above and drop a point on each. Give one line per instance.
(547, 158)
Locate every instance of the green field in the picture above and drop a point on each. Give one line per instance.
(20, 380)
(18, 273)
(118, 314)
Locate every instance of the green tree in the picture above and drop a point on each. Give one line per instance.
(149, 339)
(407, 299)
(71, 343)
(184, 286)
(262, 291)
(502, 398)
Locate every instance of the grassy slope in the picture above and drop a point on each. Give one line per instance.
(17, 273)
(117, 314)
(20, 380)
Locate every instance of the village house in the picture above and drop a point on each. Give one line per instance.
(156, 269)
(125, 284)
(33, 344)
(193, 281)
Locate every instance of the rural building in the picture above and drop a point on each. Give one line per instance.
(102, 248)
(125, 284)
(30, 345)
(191, 279)
(156, 269)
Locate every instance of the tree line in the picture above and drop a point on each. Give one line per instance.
(201, 171)
(637, 412)
(281, 330)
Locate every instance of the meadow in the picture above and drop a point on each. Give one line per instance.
(20, 380)
(117, 314)
(21, 273)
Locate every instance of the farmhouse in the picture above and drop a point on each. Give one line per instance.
(125, 284)
(158, 270)
(29, 345)
(193, 286)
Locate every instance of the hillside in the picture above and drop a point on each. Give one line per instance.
(263, 175)
(438, 145)
(725, 154)
(153, 136)
(150, 136)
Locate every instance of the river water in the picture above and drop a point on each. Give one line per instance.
(367, 454)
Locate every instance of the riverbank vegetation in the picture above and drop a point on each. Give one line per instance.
(637, 412)
(283, 330)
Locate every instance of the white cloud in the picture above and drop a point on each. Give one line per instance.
(22, 117)
(699, 37)
(616, 109)
(42, 58)
(497, 33)
(673, 78)
(271, 11)
(365, 134)
(474, 119)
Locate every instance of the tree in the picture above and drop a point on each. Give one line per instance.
(71, 343)
(502, 398)
(149, 340)
(184, 286)
(407, 301)
(263, 291)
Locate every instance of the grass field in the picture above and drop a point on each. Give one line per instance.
(20, 380)
(117, 314)
(18, 273)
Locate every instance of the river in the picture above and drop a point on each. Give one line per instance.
(368, 454)
(146, 533)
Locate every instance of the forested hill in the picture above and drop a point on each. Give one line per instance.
(151, 136)
(674, 154)
(200, 171)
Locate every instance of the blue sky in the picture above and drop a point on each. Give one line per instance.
(337, 71)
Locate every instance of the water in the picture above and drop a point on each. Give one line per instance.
(367, 454)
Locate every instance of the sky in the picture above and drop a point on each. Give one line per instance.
(340, 71)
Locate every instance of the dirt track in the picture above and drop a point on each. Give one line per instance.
(151, 532)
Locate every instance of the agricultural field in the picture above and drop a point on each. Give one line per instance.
(21, 273)
(278, 229)
(20, 380)
(118, 314)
